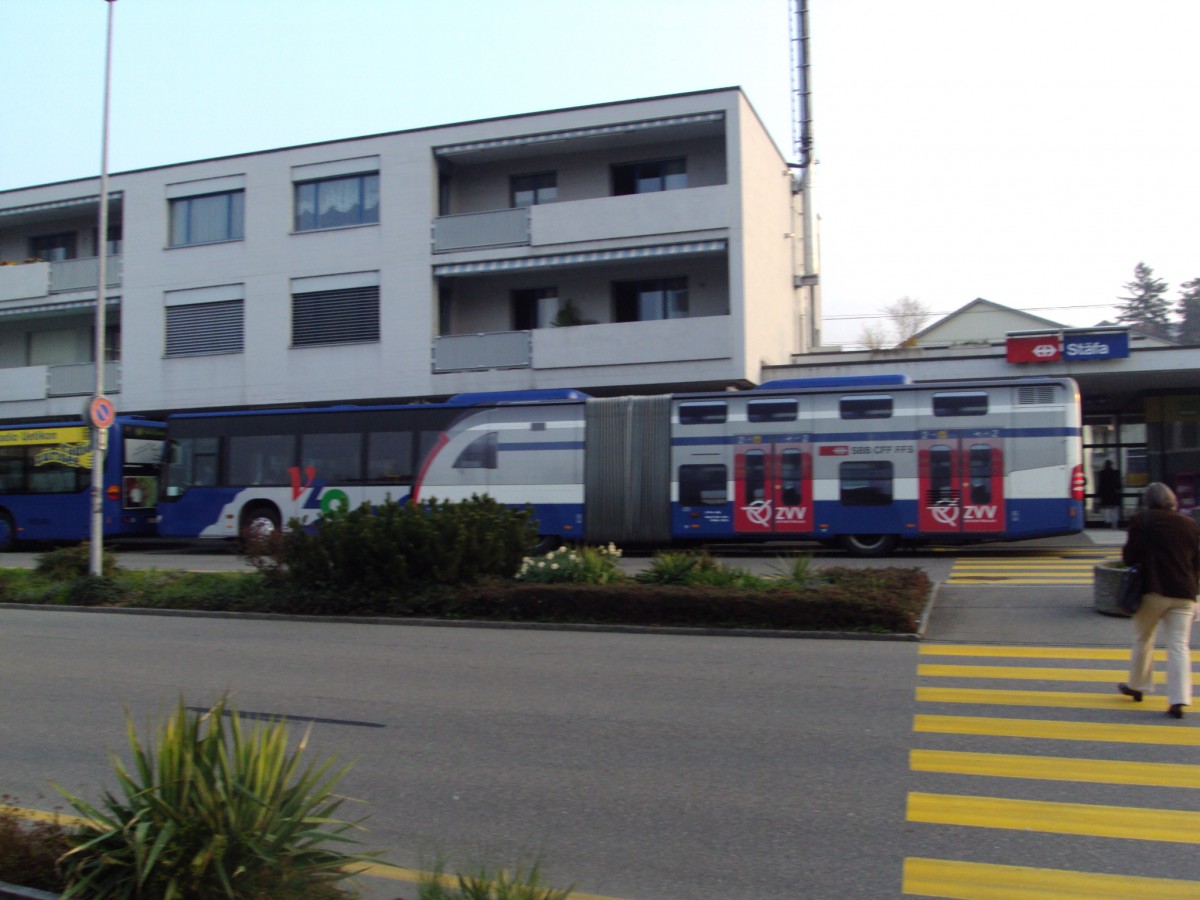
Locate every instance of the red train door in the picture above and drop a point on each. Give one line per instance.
(961, 485)
(773, 488)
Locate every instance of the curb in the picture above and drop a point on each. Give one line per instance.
(501, 626)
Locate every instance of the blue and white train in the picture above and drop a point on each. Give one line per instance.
(868, 463)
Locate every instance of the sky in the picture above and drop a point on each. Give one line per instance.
(1030, 152)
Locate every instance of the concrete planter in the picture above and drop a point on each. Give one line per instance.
(1106, 583)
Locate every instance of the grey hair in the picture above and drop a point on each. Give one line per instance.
(1159, 496)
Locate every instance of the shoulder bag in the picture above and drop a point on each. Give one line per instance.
(1129, 593)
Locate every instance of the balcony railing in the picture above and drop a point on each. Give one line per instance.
(80, 379)
(495, 228)
(82, 274)
(467, 352)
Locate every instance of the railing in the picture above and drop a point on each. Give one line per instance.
(80, 380)
(468, 352)
(81, 274)
(495, 228)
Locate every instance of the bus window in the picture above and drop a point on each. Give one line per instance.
(336, 458)
(480, 453)
(389, 457)
(702, 413)
(981, 473)
(703, 485)
(866, 483)
(772, 410)
(960, 403)
(12, 470)
(261, 458)
(874, 407)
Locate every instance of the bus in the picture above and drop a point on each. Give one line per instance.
(46, 480)
(866, 463)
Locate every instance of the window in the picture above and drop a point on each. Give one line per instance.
(261, 458)
(191, 462)
(208, 218)
(755, 476)
(791, 467)
(480, 453)
(865, 407)
(644, 301)
(339, 316)
(530, 190)
(337, 202)
(205, 329)
(961, 403)
(772, 410)
(980, 461)
(941, 476)
(702, 413)
(335, 458)
(648, 177)
(534, 308)
(703, 485)
(41, 470)
(390, 457)
(53, 247)
(866, 483)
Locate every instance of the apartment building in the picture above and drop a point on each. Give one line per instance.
(654, 244)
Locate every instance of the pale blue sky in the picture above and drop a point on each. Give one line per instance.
(1030, 152)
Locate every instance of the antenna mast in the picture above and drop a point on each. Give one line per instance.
(802, 142)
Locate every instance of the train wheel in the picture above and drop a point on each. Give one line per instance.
(869, 545)
(8, 533)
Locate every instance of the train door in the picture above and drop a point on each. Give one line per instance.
(772, 487)
(961, 485)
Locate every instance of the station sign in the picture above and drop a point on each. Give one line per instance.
(1037, 348)
(1068, 345)
(1096, 345)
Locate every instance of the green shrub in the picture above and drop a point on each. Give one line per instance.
(385, 550)
(93, 590)
(671, 567)
(29, 851)
(209, 810)
(796, 570)
(523, 883)
(68, 563)
(573, 565)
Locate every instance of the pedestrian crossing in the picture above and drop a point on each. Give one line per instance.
(982, 767)
(1035, 567)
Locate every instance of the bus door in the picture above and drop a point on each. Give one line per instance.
(961, 485)
(772, 487)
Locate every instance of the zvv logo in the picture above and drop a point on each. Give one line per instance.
(946, 515)
(759, 513)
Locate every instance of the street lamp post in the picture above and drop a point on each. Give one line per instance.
(99, 432)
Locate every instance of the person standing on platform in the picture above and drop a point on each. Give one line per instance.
(1109, 491)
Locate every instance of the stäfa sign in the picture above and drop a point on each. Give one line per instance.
(1069, 345)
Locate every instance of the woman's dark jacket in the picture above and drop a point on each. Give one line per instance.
(1167, 546)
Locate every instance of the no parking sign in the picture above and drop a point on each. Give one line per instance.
(101, 412)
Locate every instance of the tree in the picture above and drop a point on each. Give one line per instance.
(905, 317)
(1188, 308)
(1146, 309)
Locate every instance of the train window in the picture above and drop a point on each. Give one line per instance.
(261, 458)
(772, 410)
(335, 458)
(702, 413)
(941, 475)
(389, 457)
(703, 485)
(980, 461)
(960, 403)
(790, 470)
(866, 483)
(480, 453)
(755, 477)
(873, 407)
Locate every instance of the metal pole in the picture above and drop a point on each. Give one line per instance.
(96, 566)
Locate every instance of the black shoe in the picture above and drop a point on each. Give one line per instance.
(1130, 692)
(1176, 711)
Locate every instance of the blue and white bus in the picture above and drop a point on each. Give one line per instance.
(46, 480)
(864, 463)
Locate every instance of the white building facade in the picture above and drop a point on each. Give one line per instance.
(647, 245)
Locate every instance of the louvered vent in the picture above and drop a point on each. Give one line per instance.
(201, 329)
(346, 316)
(1035, 394)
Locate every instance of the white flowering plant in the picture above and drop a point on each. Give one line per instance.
(573, 565)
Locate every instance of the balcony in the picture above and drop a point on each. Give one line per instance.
(43, 382)
(29, 280)
(620, 343)
(494, 228)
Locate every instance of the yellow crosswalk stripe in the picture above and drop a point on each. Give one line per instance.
(1023, 652)
(1049, 729)
(1172, 825)
(1053, 567)
(986, 881)
(1056, 768)
(1056, 699)
(1033, 673)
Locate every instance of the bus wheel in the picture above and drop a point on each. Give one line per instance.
(868, 545)
(260, 523)
(8, 533)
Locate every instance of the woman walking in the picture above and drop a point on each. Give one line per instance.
(1166, 545)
